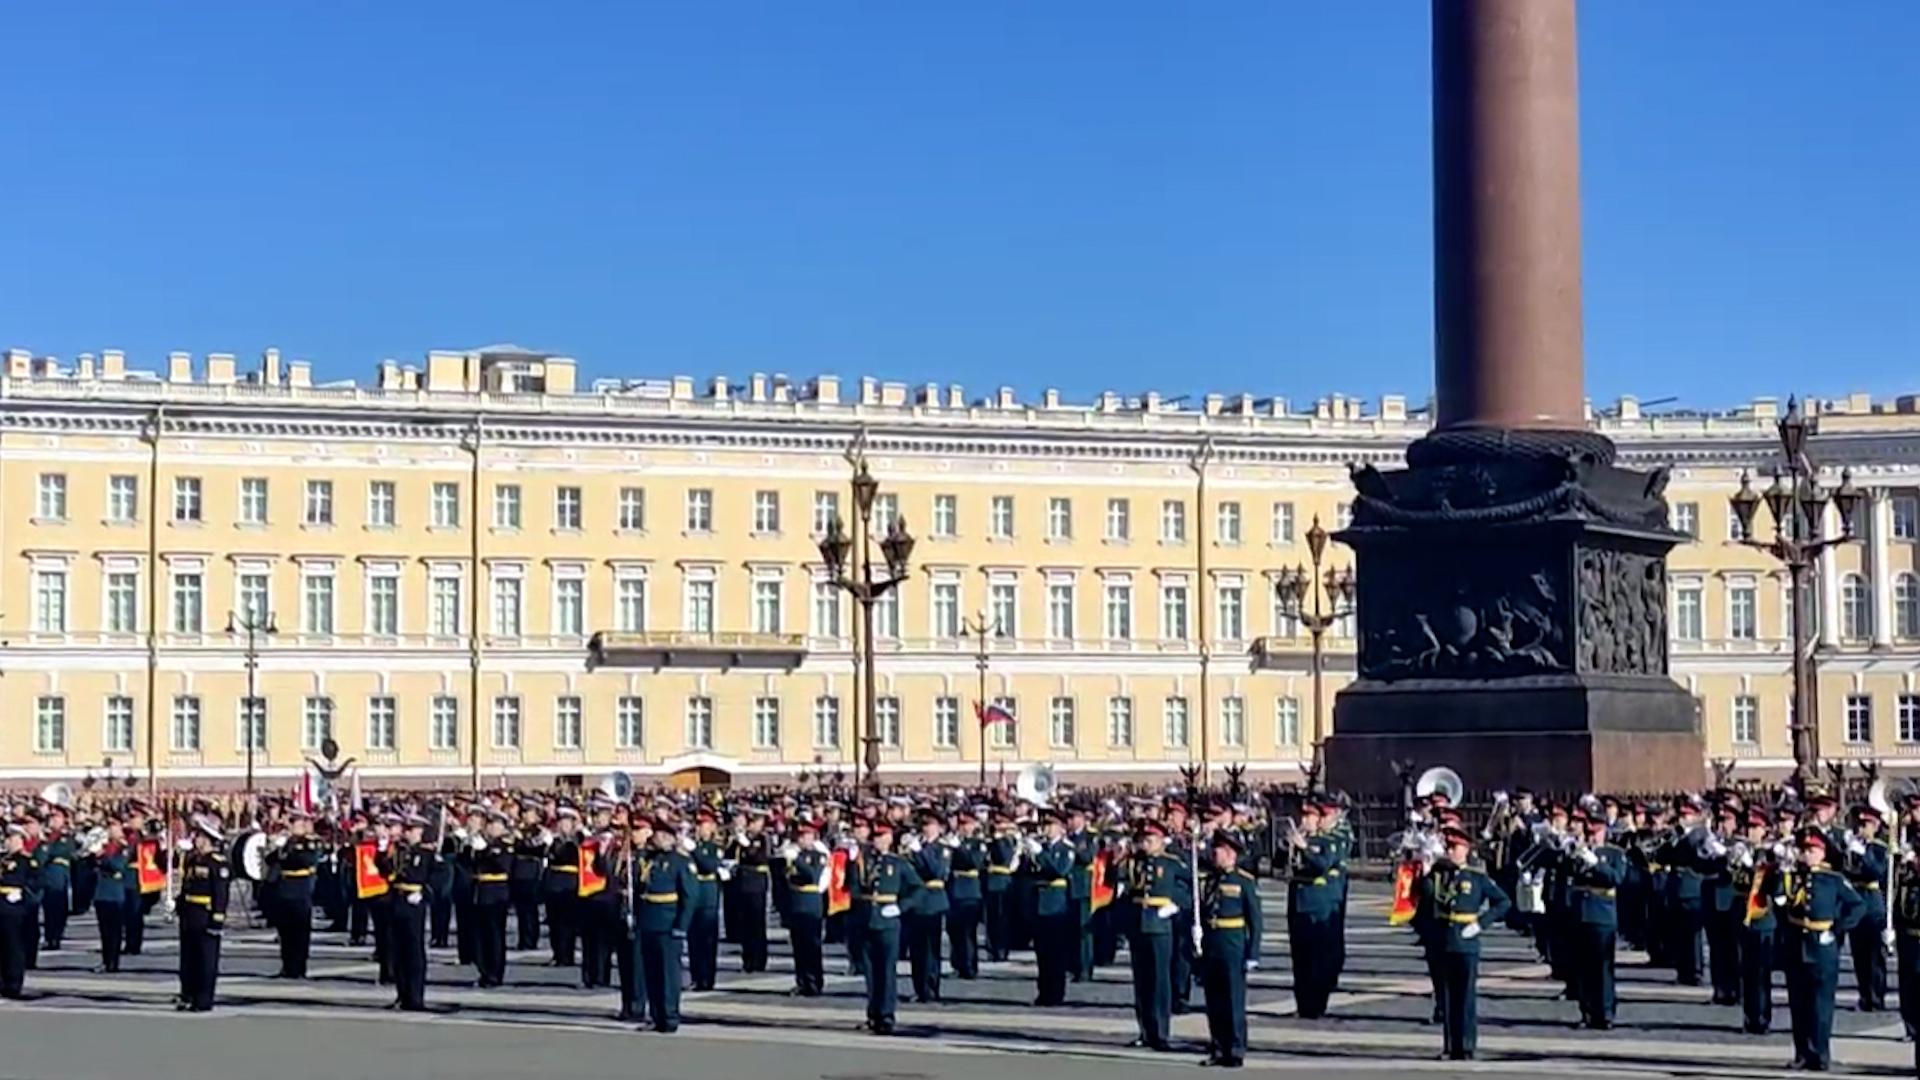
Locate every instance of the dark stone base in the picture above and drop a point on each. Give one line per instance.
(1566, 735)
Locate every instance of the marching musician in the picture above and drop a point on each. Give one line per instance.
(597, 913)
(561, 886)
(112, 881)
(1866, 870)
(1180, 840)
(1313, 901)
(807, 865)
(1906, 927)
(1453, 903)
(703, 936)
(529, 863)
(925, 922)
(412, 860)
(1230, 915)
(890, 886)
(1055, 922)
(1080, 891)
(965, 895)
(1597, 871)
(1003, 859)
(1818, 908)
(293, 860)
(1158, 887)
(1756, 881)
(1685, 908)
(663, 910)
(18, 875)
(151, 854)
(751, 854)
(489, 860)
(55, 854)
(379, 900)
(854, 919)
(629, 845)
(205, 880)
(453, 886)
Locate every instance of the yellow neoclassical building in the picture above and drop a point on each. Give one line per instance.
(425, 561)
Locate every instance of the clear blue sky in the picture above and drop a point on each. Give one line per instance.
(1118, 194)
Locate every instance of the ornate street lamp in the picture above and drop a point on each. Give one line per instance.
(254, 624)
(856, 578)
(1295, 587)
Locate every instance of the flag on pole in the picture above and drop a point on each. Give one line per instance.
(991, 713)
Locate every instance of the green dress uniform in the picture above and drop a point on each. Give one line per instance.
(703, 935)
(1906, 943)
(205, 881)
(663, 913)
(18, 875)
(1180, 849)
(1230, 945)
(1086, 844)
(925, 923)
(1866, 871)
(806, 877)
(1452, 905)
(965, 895)
(891, 887)
(1342, 835)
(1000, 908)
(1313, 908)
(55, 855)
(1594, 880)
(1158, 887)
(112, 880)
(1055, 920)
(1756, 878)
(1818, 909)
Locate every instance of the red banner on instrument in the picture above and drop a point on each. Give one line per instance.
(839, 895)
(368, 881)
(153, 876)
(592, 881)
(1403, 878)
(1103, 880)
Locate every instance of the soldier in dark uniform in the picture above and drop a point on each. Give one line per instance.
(1818, 908)
(1086, 845)
(413, 872)
(55, 854)
(703, 935)
(890, 887)
(205, 879)
(560, 886)
(18, 874)
(663, 913)
(1313, 899)
(807, 867)
(854, 923)
(625, 884)
(1453, 903)
(36, 838)
(1866, 870)
(453, 889)
(293, 865)
(752, 860)
(1595, 874)
(1157, 887)
(964, 896)
(149, 852)
(380, 907)
(490, 866)
(1180, 841)
(523, 884)
(1685, 908)
(1340, 831)
(1756, 881)
(924, 925)
(1003, 859)
(1906, 930)
(1056, 920)
(1722, 910)
(1232, 927)
(112, 880)
(597, 913)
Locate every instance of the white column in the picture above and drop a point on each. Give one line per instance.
(1829, 583)
(1879, 537)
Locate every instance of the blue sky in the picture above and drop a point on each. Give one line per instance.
(1110, 194)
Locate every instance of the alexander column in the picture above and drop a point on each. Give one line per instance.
(1512, 579)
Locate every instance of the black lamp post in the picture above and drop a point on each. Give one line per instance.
(1797, 504)
(857, 579)
(254, 624)
(1294, 588)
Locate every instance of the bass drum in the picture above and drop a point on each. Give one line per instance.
(249, 855)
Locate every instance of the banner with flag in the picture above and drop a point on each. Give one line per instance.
(991, 713)
(839, 893)
(1404, 874)
(153, 876)
(592, 881)
(368, 881)
(1103, 880)
(1756, 898)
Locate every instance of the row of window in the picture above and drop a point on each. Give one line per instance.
(1685, 517)
(1856, 719)
(319, 592)
(630, 511)
(1743, 610)
(507, 723)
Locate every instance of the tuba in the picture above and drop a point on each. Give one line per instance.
(1440, 780)
(60, 795)
(1036, 784)
(617, 786)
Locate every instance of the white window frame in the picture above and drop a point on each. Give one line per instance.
(318, 718)
(569, 578)
(1744, 711)
(629, 722)
(699, 512)
(185, 723)
(50, 497)
(509, 726)
(317, 506)
(1120, 722)
(569, 722)
(1176, 722)
(631, 514)
(944, 621)
(383, 723)
(446, 504)
(1280, 530)
(1059, 518)
(766, 722)
(1173, 521)
(1063, 722)
(443, 723)
(116, 724)
(1119, 528)
(946, 517)
(694, 581)
(769, 601)
(50, 724)
(1001, 522)
(699, 727)
(123, 499)
(256, 500)
(569, 509)
(1116, 607)
(946, 722)
(1227, 523)
(507, 509)
(506, 582)
(189, 500)
(826, 727)
(383, 504)
(766, 513)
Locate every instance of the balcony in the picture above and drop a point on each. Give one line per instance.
(683, 649)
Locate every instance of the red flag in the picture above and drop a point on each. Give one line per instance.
(369, 882)
(839, 893)
(592, 881)
(153, 877)
(1403, 875)
(991, 713)
(1103, 882)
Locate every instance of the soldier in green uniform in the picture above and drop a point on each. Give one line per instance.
(55, 854)
(1313, 902)
(112, 879)
(1595, 875)
(925, 923)
(1086, 844)
(1818, 908)
(808, 865)
(965, 895)
(1158, 887)
(1453, 903)
(1866, 870)
(1756, 881)
(1180, 841)
(205, 880)
(663, 913)
(703, 936)
(1339, 829)
(890, 887)
(18, 874)
(1003, 858)
(1906, 930)
(1230, 947)
(1055, 922)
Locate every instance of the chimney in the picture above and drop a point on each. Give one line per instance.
(1150, 401)
(1050, 398)
(1393, 407)
(1213, 404)
(683, 388)
(720, 388)
(113, 365)
(929, 396)
(1629, 407)
(299, 374)
(179, 367)
(826, 389)
(757, 387)
(1005, 398)
(869, 390)
(85, 369)
(782, 388)
(270, 367)
(220, 369)
(389, 375)
(1109, 401)
(893, 393)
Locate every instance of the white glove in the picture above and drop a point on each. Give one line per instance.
(1588, 857)
(1887, 937)
(1253, 965)
(891, 911)
(1826, 937)
(1715, 848)
(1746, 859)
(725, 874)
(1855, 847)
(1168, 912)
(413, 898)
(913, 845)
(13, 898)
(1470, 931)
(1779, 901)
(821, 847)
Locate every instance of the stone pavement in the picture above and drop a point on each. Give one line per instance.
(1377, 1023)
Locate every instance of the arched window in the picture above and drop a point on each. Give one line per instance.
(1906, 606)
(1856, 608)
